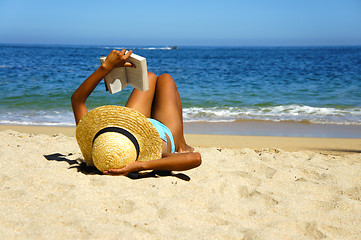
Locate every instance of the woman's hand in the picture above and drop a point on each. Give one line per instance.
(131, 167)
(173, 162)
(79, 97)
(117, 59)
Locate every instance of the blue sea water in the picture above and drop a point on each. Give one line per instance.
(302, 84)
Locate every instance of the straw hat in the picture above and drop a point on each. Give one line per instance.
(113, 136)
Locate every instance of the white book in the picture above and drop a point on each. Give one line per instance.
(120, 77)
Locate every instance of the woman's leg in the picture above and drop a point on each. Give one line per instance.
(167, 108)
(142, 101)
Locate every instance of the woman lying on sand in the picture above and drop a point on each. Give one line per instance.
(161, 104)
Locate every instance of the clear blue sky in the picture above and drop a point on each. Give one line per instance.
(183, 22)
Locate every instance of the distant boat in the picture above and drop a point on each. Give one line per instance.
(173, 47)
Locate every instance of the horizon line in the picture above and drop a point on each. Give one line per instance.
(187, 45)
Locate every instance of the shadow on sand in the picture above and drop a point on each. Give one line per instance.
(88, 170)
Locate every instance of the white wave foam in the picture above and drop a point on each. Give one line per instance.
(298, 113)
(36, 117)
(35, 123)
(276, 113)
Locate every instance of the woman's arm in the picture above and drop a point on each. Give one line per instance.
(79, 97)
(174, 162)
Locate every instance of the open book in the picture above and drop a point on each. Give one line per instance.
(120, 77)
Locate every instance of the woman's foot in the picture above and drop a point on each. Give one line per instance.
(186, 149)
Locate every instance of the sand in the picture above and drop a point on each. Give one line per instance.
(246, 188)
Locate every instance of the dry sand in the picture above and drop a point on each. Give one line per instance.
(246, 188)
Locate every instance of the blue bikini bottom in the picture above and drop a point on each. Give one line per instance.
(163, 130)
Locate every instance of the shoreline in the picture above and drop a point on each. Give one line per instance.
(326, 145)
(272, 128)
(240, 127)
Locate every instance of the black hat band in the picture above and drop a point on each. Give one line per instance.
(121, 131)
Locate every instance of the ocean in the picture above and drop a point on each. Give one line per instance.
(217, 84)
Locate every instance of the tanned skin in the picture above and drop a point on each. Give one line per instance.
(161, 102)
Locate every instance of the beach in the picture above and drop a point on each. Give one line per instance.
(278, 129)
(248, 187)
